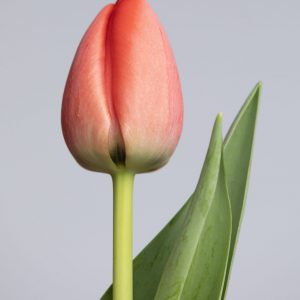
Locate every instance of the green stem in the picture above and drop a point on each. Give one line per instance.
(122, 256)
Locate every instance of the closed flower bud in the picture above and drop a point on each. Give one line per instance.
(122, 104)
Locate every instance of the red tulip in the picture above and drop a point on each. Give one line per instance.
(122, 104)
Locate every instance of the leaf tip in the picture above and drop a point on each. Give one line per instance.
(217, 129)
(258, 88)
(218, 122)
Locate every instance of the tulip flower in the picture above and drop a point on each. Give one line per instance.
(122, 110)
(122, 105)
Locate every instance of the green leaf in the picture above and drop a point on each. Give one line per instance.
(237, 160)
(165, 269)
(196, 264)
(206, 275)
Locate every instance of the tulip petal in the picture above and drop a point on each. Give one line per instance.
(86, 117)
(142, 72)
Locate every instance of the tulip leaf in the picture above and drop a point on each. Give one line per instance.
(190, 258)
(196, 264)
(237, 160)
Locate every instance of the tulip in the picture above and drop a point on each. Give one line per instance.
(122, 104)
(122, 111)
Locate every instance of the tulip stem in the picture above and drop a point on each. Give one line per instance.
(122, 232)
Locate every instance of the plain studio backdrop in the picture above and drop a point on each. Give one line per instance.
(56, 218)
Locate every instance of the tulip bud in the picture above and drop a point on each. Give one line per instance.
(122, 104)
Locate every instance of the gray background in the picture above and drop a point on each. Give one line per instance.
(56, 218)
